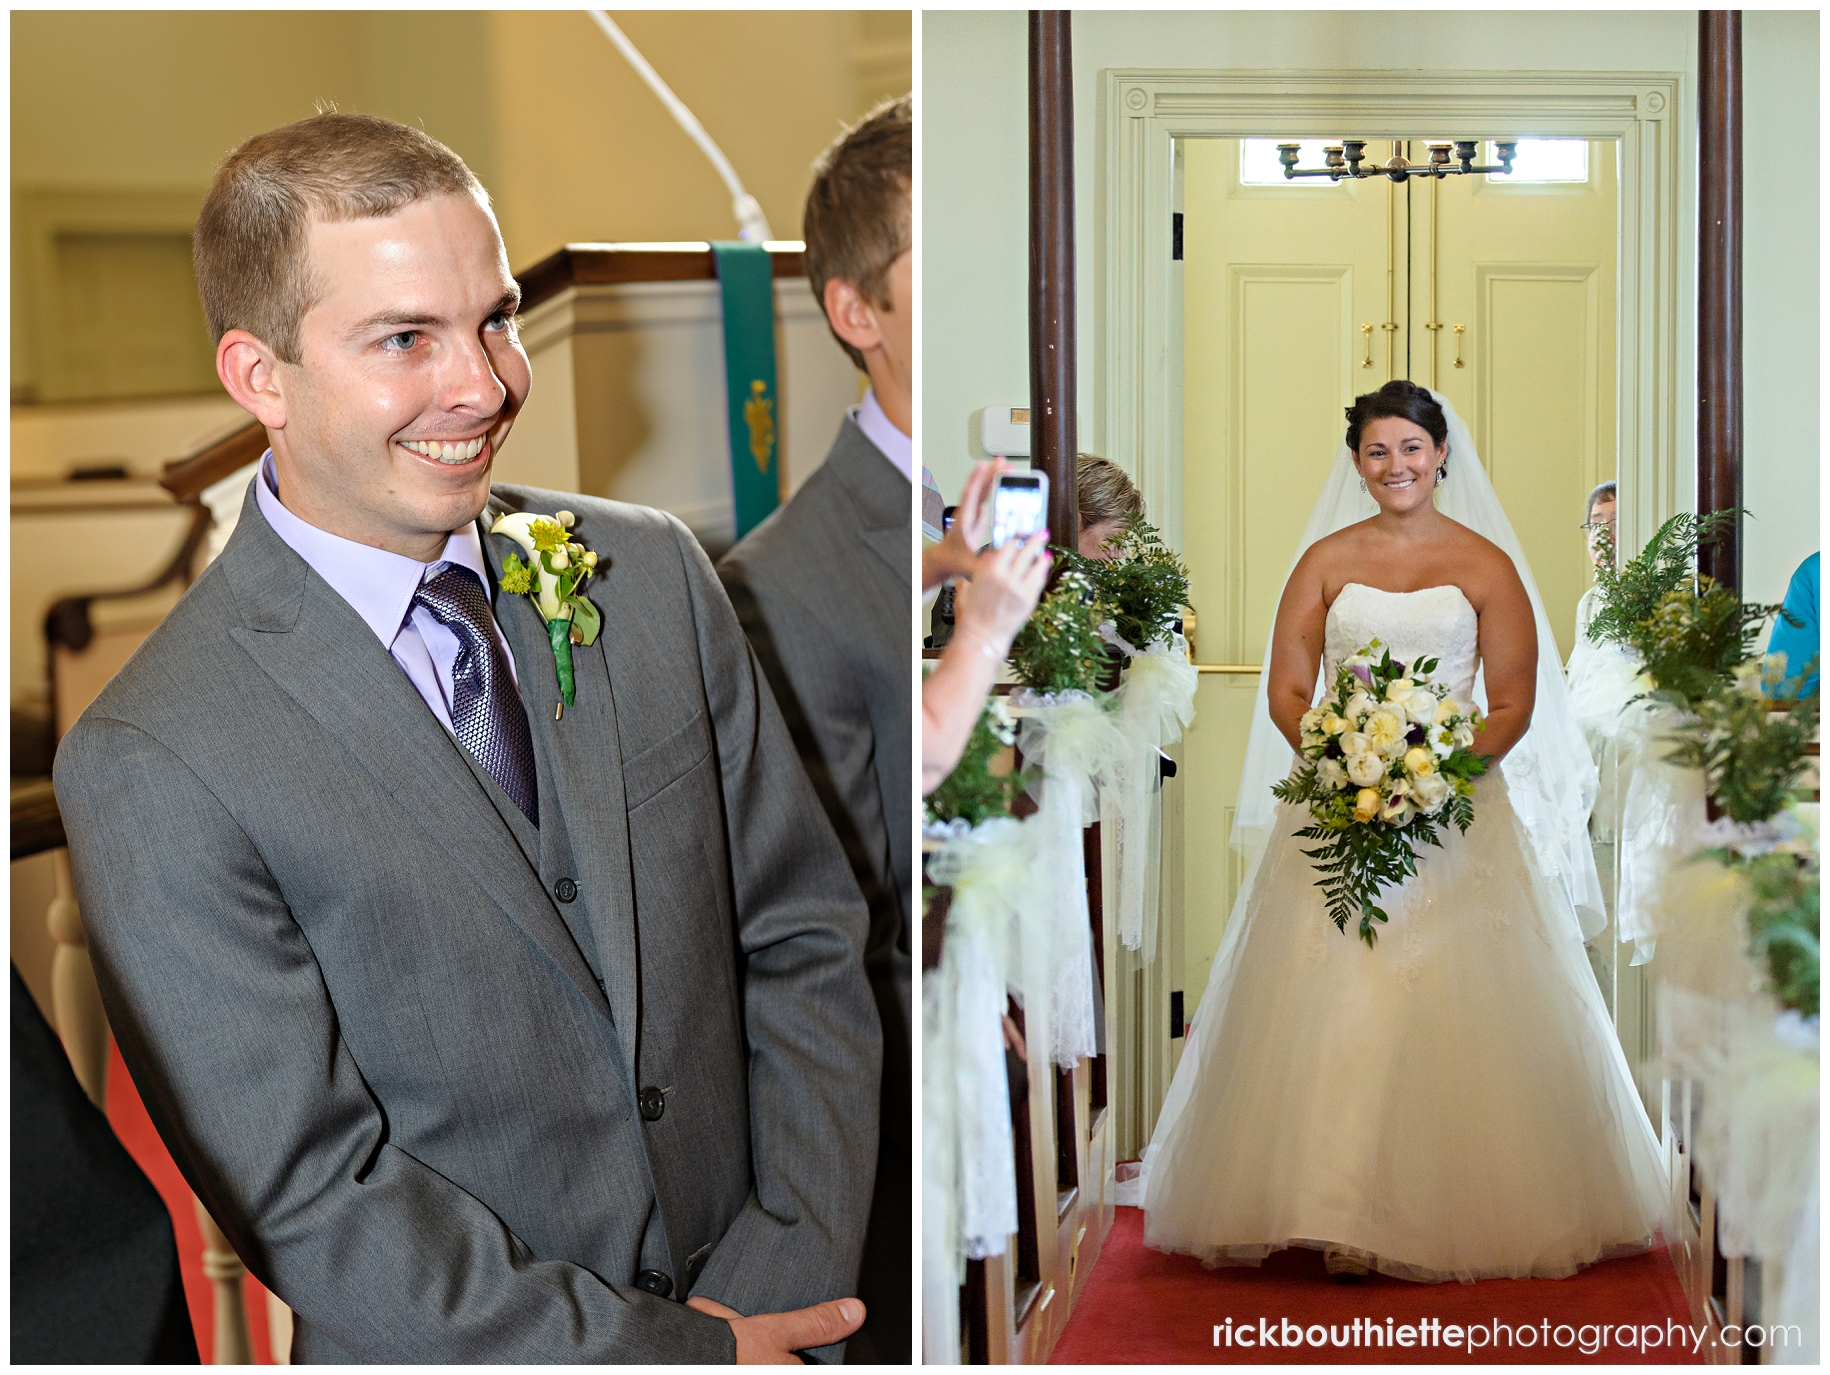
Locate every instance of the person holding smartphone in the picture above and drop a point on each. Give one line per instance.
(1004, 582)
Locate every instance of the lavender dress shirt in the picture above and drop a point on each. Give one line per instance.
(891, 442)
(379, 587)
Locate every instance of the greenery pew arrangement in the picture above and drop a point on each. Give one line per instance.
(1742, 725)
(1141, 592)
(1058, 648)
(1145, 587)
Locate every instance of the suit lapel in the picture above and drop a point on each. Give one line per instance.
(319, 653)
(581, 753)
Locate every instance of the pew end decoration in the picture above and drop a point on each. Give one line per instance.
(985, 781)
(1720, 864)
(1059, 648)
(1631, 593)
(1144, 588)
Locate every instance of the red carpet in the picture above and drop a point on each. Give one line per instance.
(1142, 1307)
(135, 1129)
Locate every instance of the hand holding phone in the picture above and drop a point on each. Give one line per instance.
(1019, 506)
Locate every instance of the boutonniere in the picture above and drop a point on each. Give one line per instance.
(556, 568)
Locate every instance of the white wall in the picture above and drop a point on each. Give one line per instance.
(975, 189)
(1779, 280)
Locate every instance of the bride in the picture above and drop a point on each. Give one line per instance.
(1452, 1104)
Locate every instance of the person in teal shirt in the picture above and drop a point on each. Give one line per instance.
(1799, 643)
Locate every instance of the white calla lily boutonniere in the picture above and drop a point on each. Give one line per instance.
(556, 568)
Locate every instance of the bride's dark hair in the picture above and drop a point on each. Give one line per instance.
(1401, 400)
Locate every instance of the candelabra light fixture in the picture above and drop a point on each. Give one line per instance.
(1348, 159)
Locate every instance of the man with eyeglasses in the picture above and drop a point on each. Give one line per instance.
(1599, 529)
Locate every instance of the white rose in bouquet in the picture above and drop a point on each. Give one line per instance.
(1365, 768)
(1355, 742)
(1331, 775)
(1335, 725)
(1360, 706)
(1420, 707)
(1431, 791)
(1385, 729)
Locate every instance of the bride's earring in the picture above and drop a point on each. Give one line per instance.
(1442, 475)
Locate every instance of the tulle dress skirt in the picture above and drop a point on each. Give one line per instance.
(1453, 1104)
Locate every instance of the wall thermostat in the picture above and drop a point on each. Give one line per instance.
(1005, 430)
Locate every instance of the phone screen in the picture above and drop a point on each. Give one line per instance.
(1019, 507)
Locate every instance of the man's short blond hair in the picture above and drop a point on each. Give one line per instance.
(856, 223)
(250, 247)
(1104, 492)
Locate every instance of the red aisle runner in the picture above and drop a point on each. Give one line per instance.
(135, 1129)
(1143, 1307)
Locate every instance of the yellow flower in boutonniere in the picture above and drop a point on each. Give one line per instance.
(556, 568)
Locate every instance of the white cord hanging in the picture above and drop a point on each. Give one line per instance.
(752, 227)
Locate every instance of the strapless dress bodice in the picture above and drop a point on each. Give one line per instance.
(1432, 622)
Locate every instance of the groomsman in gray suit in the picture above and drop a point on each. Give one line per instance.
(823, 590)
(490, 1026)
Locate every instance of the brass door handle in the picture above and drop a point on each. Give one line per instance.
(1459, 330)
(1367, 331)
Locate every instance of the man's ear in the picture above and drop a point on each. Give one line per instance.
(250, 374)
(853, 317)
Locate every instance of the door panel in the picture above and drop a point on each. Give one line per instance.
(1276, 283)
(1538, 432)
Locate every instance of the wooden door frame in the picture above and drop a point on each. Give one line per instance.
(1143, 111)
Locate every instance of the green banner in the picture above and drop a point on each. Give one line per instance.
(747, 283)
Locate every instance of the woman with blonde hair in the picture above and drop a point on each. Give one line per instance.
(1107, 502)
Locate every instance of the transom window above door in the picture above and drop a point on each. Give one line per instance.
(1547, 159)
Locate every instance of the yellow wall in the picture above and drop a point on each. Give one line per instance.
(554, 121)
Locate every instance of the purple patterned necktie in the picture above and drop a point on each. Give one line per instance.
(486, 710)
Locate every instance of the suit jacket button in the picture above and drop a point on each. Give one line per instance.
(654, 1103)
(565, 890)
(654, 1282)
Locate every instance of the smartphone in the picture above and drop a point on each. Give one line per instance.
(1019, 506)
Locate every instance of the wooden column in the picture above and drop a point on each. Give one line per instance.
(1052, 414)
(1719, 283)
(82, 1024)
(223, 1268)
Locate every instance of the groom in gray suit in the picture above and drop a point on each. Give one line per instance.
(823, 590)
(489, 1027)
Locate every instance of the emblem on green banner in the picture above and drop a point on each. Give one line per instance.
(759, 415)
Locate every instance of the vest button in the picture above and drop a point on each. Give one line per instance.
(654, 1282)
(654, 1103)
(565, 890)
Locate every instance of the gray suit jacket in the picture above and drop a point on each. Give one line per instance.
(822, 590)
(399, 1073)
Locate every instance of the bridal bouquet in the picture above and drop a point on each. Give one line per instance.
(1386, 757)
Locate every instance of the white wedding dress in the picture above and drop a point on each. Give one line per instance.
(1450, 1105)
